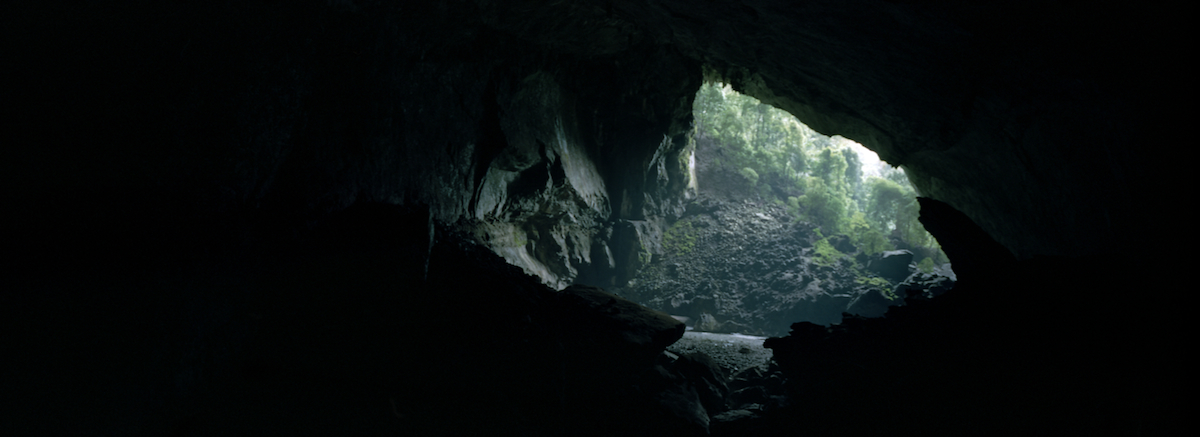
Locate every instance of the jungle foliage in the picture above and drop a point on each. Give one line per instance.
(819, 179)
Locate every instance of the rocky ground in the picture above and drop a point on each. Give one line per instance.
(749, 267)
(733, 352)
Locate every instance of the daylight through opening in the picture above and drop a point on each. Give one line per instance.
(787, 225)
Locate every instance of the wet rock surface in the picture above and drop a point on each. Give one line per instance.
(732, 352)
(743, 382)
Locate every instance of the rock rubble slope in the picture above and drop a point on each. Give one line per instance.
(751, 268)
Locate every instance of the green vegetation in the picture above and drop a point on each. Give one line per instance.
(750, 175)
(926, 265)
(868, 238)
(818, 179)
(883, 285)
(824, 205)
(680, 238)
(644, 258)
(827, 255)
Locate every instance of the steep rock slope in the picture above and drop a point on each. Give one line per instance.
(738, 266)
(740, 261)
(743, 268)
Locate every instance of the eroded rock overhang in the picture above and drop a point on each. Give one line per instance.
(555, 131)
(1018, 117)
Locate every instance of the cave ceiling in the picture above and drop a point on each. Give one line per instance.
(544, 123)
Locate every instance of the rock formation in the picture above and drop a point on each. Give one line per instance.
(737, 266)
(176, 173)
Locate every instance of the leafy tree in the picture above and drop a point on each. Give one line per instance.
(868, 238)
(822, 179)
(893, 207)
(793, 206)
(823, 205)
(753, 135)
(750, 175)
(886, 197)
(853, 176)
(831, 168)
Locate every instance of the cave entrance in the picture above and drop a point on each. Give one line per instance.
(788, 225)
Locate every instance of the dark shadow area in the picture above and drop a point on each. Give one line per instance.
(348, 333)
(253, 217)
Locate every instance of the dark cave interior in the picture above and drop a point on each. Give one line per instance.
(358, 217)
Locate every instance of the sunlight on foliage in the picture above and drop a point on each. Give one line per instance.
(819, 179)
(883, 285)
(827, 255)
(750, 175)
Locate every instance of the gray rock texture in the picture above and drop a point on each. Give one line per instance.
(749, 268)
(541, 128)
(892, 265)
(732, 352)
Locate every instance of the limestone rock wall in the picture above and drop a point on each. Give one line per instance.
(542, 127)
(250, 121)
(1018, 103)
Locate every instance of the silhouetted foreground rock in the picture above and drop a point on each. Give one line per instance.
(918, 285)
(922, 285)
(526, 360)
(974, 253)
(614, 331)
(1017, 347)
(960, 365)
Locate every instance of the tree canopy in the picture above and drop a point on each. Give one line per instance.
(820, 179)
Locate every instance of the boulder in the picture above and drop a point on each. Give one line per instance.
(891, 265)
(925, 285)
(750, 376)
(871, 303)
(703, 373)
(682, 406)
(614, 334)
(755, 394)
(708, 323)
(672, 405)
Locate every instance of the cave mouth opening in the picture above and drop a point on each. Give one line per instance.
(786, 225)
